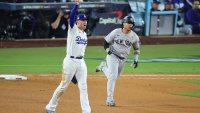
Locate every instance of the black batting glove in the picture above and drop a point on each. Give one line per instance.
(108, 51)
(135, 64)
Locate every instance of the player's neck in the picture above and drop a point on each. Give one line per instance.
(125, 31)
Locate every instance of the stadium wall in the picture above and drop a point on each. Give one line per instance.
(96, 41)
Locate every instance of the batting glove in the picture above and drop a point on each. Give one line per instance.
(109, 51)
(135, 64)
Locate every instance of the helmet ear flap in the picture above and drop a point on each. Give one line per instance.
(133, 24)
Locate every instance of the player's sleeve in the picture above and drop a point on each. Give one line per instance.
(110, 37)
(106, 44)
(72, 18)
(136, 47)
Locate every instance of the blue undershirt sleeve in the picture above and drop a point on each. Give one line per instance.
(72, 16)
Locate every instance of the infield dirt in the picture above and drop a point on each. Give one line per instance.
(133, 94)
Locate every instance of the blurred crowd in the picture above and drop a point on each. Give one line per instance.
(54, 23)
(188, 14)
(39, 1)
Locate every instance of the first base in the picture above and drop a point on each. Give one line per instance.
(13, 77)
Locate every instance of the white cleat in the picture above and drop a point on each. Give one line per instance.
(99, 68)
(110, 103)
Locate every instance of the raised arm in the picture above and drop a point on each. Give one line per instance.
(73, 14)
(56, 23)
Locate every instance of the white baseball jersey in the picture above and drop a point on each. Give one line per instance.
(121, 42)
(73, 65)
(76, 42)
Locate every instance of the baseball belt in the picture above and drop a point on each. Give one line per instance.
(121, 58)
(80, 57)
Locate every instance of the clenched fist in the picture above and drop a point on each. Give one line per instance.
(77, 1)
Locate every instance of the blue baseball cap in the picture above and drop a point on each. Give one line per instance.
(81, 17)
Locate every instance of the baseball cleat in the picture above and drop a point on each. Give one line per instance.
(49, 111)
(110, 103)
(99, 68)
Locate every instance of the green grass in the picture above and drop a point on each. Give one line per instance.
(31, 60)
(49, 59)
(191, 81)
(191, 93)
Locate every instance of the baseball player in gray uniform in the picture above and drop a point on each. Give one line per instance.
(74, 63)
(118, 44)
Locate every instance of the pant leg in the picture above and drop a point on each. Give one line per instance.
(111, 72)
(121, 67)
(81, 76)
(69, 69)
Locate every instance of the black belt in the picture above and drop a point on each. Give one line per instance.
(121, 58)
(80, 57)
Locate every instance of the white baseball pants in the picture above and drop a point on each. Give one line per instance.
(72, 67)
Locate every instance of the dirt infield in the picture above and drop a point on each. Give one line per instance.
(134, 94)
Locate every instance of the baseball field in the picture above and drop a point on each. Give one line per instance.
(166, 81)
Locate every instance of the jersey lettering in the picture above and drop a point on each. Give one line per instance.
(126, 43)
(80, 40)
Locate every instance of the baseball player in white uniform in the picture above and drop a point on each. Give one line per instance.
(118, 44)
(74, 64)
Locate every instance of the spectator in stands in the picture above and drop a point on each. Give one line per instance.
(45, 1)
(36, 1)
(155, 5)
(26, 25)
(182, 28)
(178, 4)
(59, 24)
(169, 6)
(73, 0)
(23, 1)
(193, 17)
(187, 5)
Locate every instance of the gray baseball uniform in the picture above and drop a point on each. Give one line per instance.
(120, 45)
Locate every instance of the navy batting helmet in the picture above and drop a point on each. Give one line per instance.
(129, 19)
